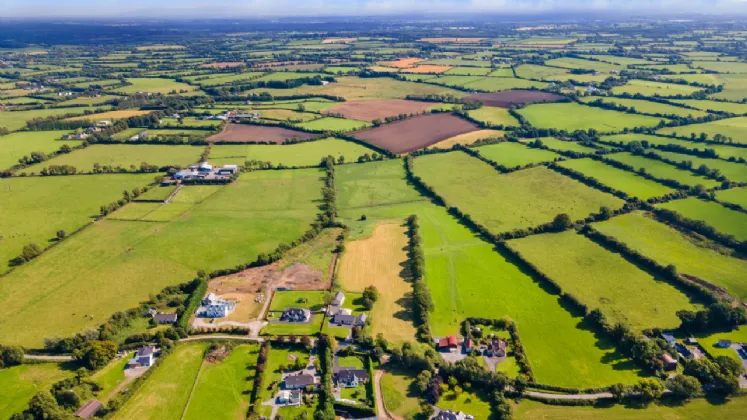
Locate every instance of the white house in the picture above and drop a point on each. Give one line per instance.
(289, 398)
(339, 299)
(143, 358)
(216, 307)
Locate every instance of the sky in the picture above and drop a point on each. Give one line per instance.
(270, 8)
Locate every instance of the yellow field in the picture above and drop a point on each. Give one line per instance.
(402, 63)
(427, 68)
(467, 138)
(111, 115)
(377, 261)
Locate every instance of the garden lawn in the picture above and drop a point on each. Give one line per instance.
(571, 116)
(692, 256)
(493, 116)
(663, 170)
(227, 384)
(123, 155)
(512, 155)
(398, 395)
(602, 279)
(648, 88)
(20, 383)
(166, 392)
(736, 196)
(299, 154)
(619, 179)
(123, 262)
(724, 220)
(708, 342)
(467, 402)
(518, 200)
(333, 124)
(17, 145)
(736, 128)
(284, 299)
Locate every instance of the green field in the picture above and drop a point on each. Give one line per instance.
(157, 193)
(396, 390)
(166, 392)
(496, 84)
(533, 71)
(579, 63)
(511, 155)
(647, 107)
(333, 124)
(110, 376)
(604, 280)
(282, 300)
(494, 116)
(17, 145)
(157, 85)
(724, 220)
(706, 105)
(572, 116)
(123, 262)
(123, 155)
(724, 151)
(375, 184)
(736, 172)
(537, 195)
(20, 383)
(663, 170)
(563, 145)
(736, 128)
(734, 196)
(227, 385)
(666, 245)
(300, 154)
(15, 120)
(627, 182)
(648, 88)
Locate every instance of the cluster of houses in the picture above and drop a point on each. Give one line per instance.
(205, 172)
(496, 347)
(232, 115)
(343, 317)
(214, 306)
(82, 135)
(452, 415)
(683, 351)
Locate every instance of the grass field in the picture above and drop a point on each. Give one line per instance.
(579, 63)
(17, 145)
(20, 383)
(494, 115)
(157, 85)
(379, 261)
(110, 115)
(496, 84)
(333, 124)
(706, 105)
(736, 172)
(695, 257)
(282, 300)
(166, 392)
(663, 170)
(300, 154)
(647, 107)
(603, 279)
(373, 184)
(123, 262)
(734, 196)
(699, 409)
(627, 182)
(16, 120)
(474, 403)
(537, 195)
(723, 151)
(124, 155)
(110, 376)
(279, 356)
(563, 145)
(572, 116)
(736, 128)
(648, 88)
(398, 393)
(227, 385)
(730, 222)
(466, 139)
(157, 193)
(511, 155)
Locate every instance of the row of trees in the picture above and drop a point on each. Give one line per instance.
(421, 293)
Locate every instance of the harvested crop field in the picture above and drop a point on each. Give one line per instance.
(514, 97)
(416, 133)
(428, 68)
(465, 139)
(378, 110)
(402, 63)
(240, 133)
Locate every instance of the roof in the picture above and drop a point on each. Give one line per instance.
(145, 351)
(669, 337)
(89, 409)
(165, 317)
(667, 358)
(302, 380)
(349, 374)
(450, 341)
(339, 298)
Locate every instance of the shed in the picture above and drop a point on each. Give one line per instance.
(89, 409)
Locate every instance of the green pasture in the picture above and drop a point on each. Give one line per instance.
(724, 220)
(15, 120)
(619, 179)
(14, 146)
(707, 105)
(604, 280)
(736, 196)
(537, 195)
(493, 116)
(691, 255)
(648, 140)
(374, 184)
(398, 392)
(20, 383)
(733, 171)
(734, 87)
(571, 116)
(562, 145)
(497, 84)
(157, 193)
(647, 107)
(580, 63)
(158, 85)
(299, 154)
(511, 155)
(736, 128)
(649, 88)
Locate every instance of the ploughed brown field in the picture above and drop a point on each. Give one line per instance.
(514, 97)
(378, 110)
(244, 133)
(416, 133)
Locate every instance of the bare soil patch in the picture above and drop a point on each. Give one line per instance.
(224, 65)
(245, 133)
(416, 133)
(514, 97)
(378, 110)
(427, 68)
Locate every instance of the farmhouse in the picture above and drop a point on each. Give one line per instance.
(691, 341)
(336, 310)
(451, 415)
(143, 358)
(206, 172)
(497, 348)
(448, 343)
(670, 363)
(162, 318)
(467, 345)
(216, 307)
(299, 381)
(89, 409)
(289, 398)
(296, 315)
(140, 136)
(351, 378)
(339, 299)
(350, 320)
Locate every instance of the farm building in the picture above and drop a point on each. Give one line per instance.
(298, 381)
(669, 337)
(143, 358)
(206, 172)
(89, 409)
(351, 378)
(296, 315)
(339, 299)
(448, 343)
(467, 345)
(723, 344)
(669, 362)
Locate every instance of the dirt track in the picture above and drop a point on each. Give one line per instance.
(243, 133)
(416, 133)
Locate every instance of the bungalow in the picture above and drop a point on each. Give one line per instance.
(89, 409)
(350, 320)
(351, 378)
(723, 344)
(448, 343)
(669, 337)
(670, 363)
(339, 299)
(162, 318)
(451, 415)
(296, 315)
(496, 348)
(298, 381)
(143, 357)
(289, 398)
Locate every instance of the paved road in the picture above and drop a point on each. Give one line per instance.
(48, 357)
